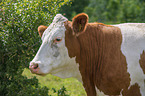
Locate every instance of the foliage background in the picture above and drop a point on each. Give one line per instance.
(108, 11)
(19, 43)
(19, 40)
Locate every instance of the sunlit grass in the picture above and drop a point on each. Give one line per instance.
(72, 85)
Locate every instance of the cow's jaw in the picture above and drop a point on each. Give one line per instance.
(52, 57)
(70, 70)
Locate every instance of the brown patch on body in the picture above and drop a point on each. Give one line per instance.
(142, 61)
(132, 91)
(111, 71)
(98, 52)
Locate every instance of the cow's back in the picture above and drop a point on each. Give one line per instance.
(133, 47)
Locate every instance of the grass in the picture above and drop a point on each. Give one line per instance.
(72, 85)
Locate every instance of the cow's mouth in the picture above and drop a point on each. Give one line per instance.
(37, 73)
(41, 74)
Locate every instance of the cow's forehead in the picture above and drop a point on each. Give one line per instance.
(55, 26)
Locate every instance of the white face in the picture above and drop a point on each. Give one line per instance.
(50, 52)
(52, 56)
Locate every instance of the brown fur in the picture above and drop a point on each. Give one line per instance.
(41, 29)
(132, 91)
(100, 59)
(142, 61)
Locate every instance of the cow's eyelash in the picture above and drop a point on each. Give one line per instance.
(58, 39)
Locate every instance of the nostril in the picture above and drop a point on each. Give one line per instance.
(35, 66)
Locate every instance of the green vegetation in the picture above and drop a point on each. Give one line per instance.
(77, 6)
(19, 40)
(73, 86)
(108, 11)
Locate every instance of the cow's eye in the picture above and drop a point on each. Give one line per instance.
(58, 39)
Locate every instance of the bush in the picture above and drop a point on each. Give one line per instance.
(19, 42)
(116, 11)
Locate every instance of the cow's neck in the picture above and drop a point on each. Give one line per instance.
(103, 59)
(97, 51)
(91, 57)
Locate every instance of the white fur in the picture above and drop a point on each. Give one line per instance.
(133, 44)
(61, 65)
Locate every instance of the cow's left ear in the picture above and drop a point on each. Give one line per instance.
(41, 29)
(79, 23)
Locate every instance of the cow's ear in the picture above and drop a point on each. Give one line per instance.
(41, 29)
(79, 23)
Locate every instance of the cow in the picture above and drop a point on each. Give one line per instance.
(109, 60)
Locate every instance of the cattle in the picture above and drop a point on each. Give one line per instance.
(109, 60)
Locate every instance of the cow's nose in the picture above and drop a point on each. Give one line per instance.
(34, 67)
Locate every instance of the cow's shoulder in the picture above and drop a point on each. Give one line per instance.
(133, 47)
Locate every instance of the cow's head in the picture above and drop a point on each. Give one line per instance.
(52, 56)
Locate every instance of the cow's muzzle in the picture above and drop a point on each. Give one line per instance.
(34, 67)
